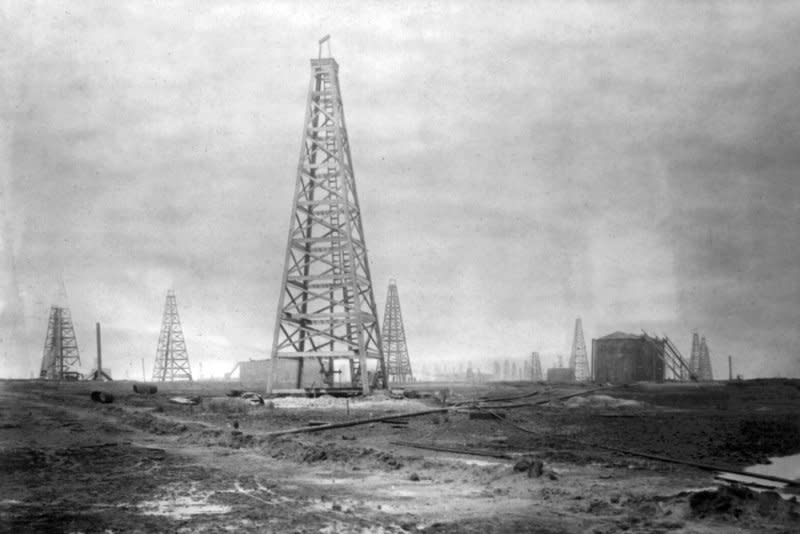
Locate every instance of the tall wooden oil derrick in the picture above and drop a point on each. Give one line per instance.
(704, 366)
(536, 367)
(578, 360)
(172, 359)
(326, 310)
(395, 350)
(61, 357)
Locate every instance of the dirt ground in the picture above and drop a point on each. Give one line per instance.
(144, 464)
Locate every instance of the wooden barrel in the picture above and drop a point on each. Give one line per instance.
(102, 397)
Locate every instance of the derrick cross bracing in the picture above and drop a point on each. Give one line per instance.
(326, 309)
(398, 366)
(60, 358)
(172, 358)
(578, 360)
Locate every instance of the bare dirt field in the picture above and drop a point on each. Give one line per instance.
(144, 464)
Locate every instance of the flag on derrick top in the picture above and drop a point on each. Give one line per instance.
(326, 309)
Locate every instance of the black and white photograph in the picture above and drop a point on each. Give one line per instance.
(384, 267)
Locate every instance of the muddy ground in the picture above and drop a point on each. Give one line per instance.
(143, 464)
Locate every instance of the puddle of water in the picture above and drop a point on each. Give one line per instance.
(786, 467)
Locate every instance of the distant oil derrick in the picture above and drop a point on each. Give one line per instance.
(700, 359)
(694, 355)
(172, 359)
(506, 369)
(61, 358)
(704, 367)
(578, 359)
(536, 367)
(327, 308)
(395, 350)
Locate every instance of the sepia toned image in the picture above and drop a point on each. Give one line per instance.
(399, 267)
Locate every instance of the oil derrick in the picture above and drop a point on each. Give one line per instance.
(172, 360)
(704, 370)
(536, 367)
(694, 357)
(506, 369)
(398, 366)
(326, 309)
(577, 358)
(61, 358)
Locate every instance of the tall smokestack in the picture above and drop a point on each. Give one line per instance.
(99, 352)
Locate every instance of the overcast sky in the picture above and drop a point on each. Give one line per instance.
(519, 164)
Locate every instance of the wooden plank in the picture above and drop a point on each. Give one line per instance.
(470, 452)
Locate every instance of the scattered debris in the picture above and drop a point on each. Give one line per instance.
(471, 452)
(254, 398)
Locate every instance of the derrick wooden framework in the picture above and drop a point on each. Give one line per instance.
(578, 360)
(398, 365)
(172, 358)
(326, 310)
(60, 359)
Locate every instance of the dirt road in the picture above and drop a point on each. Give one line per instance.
(142, 464)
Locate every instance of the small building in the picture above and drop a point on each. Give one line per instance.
(620, 358)
(561, 374)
